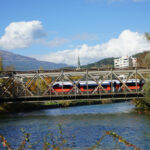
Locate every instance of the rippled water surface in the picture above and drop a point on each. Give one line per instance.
(82, 125)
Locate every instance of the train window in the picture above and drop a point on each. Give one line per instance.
(104, 85)
(89, 86)
(131, 84)
(56, 85)
(67, 86)
(84, 87)
(92, 86)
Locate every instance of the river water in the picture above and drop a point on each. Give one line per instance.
(82, 126)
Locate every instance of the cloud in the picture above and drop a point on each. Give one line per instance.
(21, 34)
(127, 43)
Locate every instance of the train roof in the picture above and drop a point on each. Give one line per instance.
(63, 83)
(89, 82)
(132, 80)
(95, 83)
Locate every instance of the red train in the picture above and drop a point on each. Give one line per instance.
(90, 86)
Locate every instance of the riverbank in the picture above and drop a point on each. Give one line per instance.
(15, 107)
(141, 104)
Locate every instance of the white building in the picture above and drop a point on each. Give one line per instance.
(125, 62)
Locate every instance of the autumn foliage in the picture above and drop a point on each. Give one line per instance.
(38, 84)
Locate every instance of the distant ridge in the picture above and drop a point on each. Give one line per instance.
(101, 63)
(24, 63)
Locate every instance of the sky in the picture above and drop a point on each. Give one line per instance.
(61, 30)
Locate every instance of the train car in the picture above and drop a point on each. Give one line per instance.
(92, 85)
(108, 85)
(132, 84)
(87, 85)
(62, 86)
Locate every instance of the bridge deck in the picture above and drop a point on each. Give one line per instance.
(112, 96)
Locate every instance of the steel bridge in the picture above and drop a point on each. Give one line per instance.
(38, 85)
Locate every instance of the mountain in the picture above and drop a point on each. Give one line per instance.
(141, 54)
(24, 63)
(102, 63)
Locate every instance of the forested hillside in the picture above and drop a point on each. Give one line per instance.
(106, 62)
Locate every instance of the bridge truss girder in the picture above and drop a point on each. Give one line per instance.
(40, 83)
